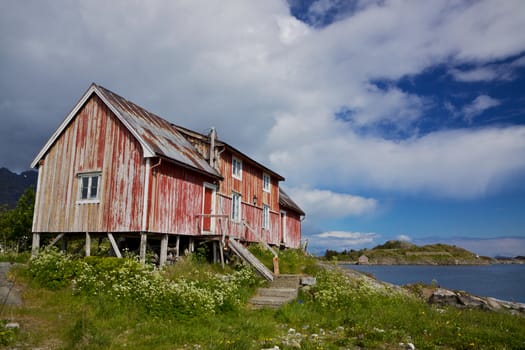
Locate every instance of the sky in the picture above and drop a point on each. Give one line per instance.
(388, 119)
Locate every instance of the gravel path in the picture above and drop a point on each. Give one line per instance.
(9, 294)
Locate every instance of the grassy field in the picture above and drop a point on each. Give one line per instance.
(102, 303)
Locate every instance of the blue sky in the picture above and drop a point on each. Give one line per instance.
(388, 119)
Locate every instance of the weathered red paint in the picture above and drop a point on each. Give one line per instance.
(176, 191)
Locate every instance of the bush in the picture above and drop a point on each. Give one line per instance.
(128, 282)
(53, 269)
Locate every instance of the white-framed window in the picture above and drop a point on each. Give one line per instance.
(89, 187)
(266, 217)
(266, 182)
(236, 168)
(236, 207)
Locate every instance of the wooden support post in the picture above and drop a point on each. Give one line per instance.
(163, 250)
(64, 243)
(114, 245)
(56, 239)
(35, 246)
(177, 247)
(192, 245)
(214, 247)
(143, 245)
(221, 253)
(88, 244)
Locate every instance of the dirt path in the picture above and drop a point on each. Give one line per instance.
(9, 295)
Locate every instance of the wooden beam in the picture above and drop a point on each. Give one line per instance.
(35, 246)
(221, 253)
(88, 244)
(143, 245)
(56, 239)
(114, 245)
(163, 250)
(177, 246)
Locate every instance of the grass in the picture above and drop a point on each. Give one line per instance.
(339, 313)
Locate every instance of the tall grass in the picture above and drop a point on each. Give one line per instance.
(340, 312)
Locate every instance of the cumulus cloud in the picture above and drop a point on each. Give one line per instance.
(455, 163)
(325, 204)
(340, 240)
(404, 238)
(491, 72)
(269, 83)
(479, 105)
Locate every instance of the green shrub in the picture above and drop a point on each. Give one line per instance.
(127, 282)
(53, 269)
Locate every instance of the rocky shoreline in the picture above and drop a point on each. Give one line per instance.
(440, 296)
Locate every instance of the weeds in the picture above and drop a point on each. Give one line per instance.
(117, 303)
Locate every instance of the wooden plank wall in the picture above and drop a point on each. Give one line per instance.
(176, 199)
(95, 141)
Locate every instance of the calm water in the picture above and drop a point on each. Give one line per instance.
(506, 282)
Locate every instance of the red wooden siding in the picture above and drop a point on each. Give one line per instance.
(249, 186)
(292, 227)
(94, 141)
(122, 147)
(176, 200)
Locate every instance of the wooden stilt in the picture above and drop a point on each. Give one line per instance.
(221, 253)
(177, 247)
(88, 244)
(64, 243)
(192, 245)
(214, 248)
(143, 245)
(35, 246)
(163, 250)
(114, 245)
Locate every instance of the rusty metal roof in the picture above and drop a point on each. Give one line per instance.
(220, 142)
(286, 201)
(158, 137)
(159, 134)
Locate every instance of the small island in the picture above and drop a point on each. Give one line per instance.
(396, 252)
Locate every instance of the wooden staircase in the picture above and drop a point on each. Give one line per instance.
(283, 289)
(251, 259)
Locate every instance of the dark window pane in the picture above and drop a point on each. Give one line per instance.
(94, 187)
(84, 189)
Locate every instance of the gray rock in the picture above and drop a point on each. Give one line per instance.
(308, 281)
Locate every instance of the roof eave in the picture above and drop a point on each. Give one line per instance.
(93, 89)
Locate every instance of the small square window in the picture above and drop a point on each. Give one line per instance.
(266, 182)
(236, 168)
(89, 187)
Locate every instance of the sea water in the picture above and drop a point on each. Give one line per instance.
(501, 281)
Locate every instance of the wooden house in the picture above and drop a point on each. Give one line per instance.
(114, 169)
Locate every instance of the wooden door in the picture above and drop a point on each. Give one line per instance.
(208, 209)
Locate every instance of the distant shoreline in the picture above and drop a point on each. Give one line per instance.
(426, 263)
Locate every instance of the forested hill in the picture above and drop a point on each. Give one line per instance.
(403, 253)
(13, 185)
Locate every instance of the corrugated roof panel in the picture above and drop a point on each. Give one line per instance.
(286, 201)
(160, 135)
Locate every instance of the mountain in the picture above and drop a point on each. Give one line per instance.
(12, 185)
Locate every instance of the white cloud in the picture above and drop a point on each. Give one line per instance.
(340, 240)
(404, 238)
(479, 105)
(456, 163)
(270, 84)
(477, 74)
(325, 204)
